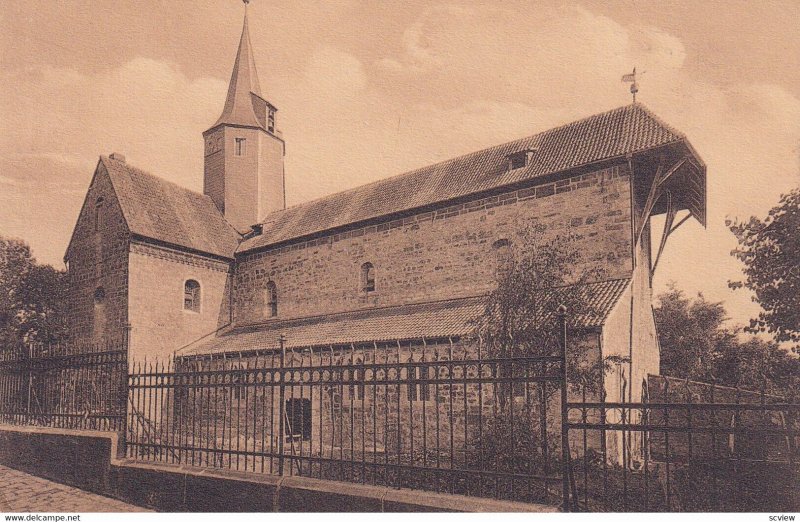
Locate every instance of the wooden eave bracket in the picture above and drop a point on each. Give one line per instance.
(668, 229)
(655, 192)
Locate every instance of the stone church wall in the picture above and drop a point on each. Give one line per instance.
(439, 254)
(159, 322)
(444, 421)
(98, 258)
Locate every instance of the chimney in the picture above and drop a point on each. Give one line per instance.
(116, 156)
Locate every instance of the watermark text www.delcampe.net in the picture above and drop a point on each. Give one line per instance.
(42, 518)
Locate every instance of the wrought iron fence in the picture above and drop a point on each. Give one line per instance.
(431, 416)
(55, 386)
(693, 447)
(435, 415)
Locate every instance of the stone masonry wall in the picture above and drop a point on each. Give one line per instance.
(99, 258)
(439, 254)
(159, 323)
(377, 412)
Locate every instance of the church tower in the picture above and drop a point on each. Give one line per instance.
(244, 151)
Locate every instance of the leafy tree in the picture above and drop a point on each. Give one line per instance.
(759, 365)
(697, 344)
(535, 275)
(770, 251)
(691, 333)
(32, 298)
(534, 278)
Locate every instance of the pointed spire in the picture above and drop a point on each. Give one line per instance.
(244, 80)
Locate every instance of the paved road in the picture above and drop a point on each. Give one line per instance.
(22, 493)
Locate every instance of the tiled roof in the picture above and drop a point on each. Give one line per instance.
(429, 320)
(161, 210)
(625, 130)
(598, 300)
(440, 319)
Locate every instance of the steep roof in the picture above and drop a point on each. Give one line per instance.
(616, 133)
(158, 209)
(238, 108)
(432, 320)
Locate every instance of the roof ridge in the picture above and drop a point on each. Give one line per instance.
(597, 138)
(137, 170)
(658, 119)
(454, 159)
(189, 220)
(170, 183)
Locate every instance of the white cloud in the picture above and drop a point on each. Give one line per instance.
(146, 109)
(57, 121)
(335, 74)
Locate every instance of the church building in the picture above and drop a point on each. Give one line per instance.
(404, 263)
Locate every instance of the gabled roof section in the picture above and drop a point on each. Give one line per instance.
(238, 108)
(598, 299)
(613, 134)
(163, 211)
(432, 320)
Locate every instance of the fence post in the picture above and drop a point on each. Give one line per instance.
(281, 403)
(30, 381)
(126, 336)
(565, 460)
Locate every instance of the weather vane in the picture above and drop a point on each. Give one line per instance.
(631, 78)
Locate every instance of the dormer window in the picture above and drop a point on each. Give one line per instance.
(240, 146)
(521, 159)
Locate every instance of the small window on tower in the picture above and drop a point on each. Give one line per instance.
(241, 146)
(99, 324)
(98, 214)
(191, 296)
(271, 121)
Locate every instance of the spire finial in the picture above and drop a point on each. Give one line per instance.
(244, 82)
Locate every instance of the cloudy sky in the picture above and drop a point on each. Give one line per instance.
(370, 89)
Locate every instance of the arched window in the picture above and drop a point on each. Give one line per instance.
(368, 277)
(98, 214)
(99, 326)
(503, 257)
(191, 295)
(272, 299)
